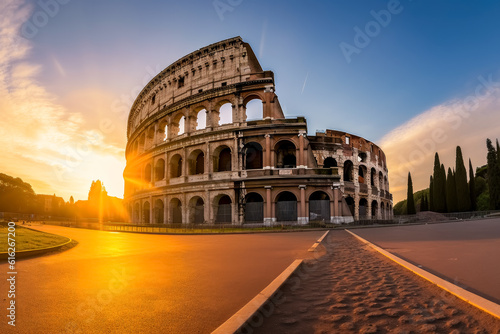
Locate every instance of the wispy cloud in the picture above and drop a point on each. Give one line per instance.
(465, 122)
(42, 141)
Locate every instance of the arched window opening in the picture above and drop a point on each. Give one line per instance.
(160, 170)
(254, 208)
(363, 205)
(197, 210)
(176, 166)
(285, 155)
(226, 114)
(165, 132)
(286, 207)
(196, 162)
(182, 126)
(137, 213)
(329, 163)
(351, 204)
(361, 174)
(380, 181)
(253, 156)
(158, 211)
(146, 210)
(362, 157)
(222, 159)
(175, 211)
(254, 110)
(147, 173)
(223, 210)
(201, 119)
(348, 171)
(374, 209)
(319, 206)
(373, 176)
(382, 210)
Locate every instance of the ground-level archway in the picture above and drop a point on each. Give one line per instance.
(286, 207)
(319, 206)
(254, 208)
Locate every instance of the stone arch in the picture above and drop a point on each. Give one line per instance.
(374, 212)
(254, 108)
(253, 155)
(362, 172)
(175, 211)
(150, 136)
(380, 181)
(159, 211)
(363, 206)
(351, 204)
(142, 142)
(222, 159)
(147, 173)
(175, 166)
(137, 212)
(382, 210)
(201, 119)
(254, 208)
(348, 171)
(285, 151)
(223, 209)
(146, 211)
(196, 210)
(319, 206)
(286, 206)
(196, 162)
(373, 177)
(329, 162)
(159, 170)
(225, 113)
(163, 129)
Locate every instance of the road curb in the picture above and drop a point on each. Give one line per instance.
(33, 252)
(467, 296)
(316, 244)
(240, 318)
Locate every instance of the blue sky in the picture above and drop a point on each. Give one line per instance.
(91, 54)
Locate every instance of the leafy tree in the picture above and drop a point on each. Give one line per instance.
(472, 188)
(16, 195)
(493, 175)
(462, 188)
(410, 206)
(451, 192)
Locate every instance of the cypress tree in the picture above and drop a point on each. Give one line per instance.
(493, 175)
(431, 194)
(472, 188)
(463, 194)
(442, 188)
(439, 186)
(410, 202)
(451, 192)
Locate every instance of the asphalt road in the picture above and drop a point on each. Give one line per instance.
(466, 253)
(139, 283)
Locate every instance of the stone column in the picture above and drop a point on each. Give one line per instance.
(267, 155)
(302, 218)
(268, 217)
(302, 163)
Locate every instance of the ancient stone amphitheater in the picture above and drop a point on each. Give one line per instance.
(208, 143)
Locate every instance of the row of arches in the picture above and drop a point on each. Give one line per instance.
(252, 154)
(374, 211)
(376, 179)
(253, 206)
(196, 119)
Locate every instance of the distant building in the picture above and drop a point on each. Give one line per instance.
(50, 205)
(194, 156)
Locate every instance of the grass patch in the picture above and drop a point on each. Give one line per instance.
(27, 239)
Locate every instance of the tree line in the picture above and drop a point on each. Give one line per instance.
(457, 190)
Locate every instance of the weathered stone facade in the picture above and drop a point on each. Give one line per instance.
(184, 165)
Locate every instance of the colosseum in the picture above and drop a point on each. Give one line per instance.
(208, 143)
